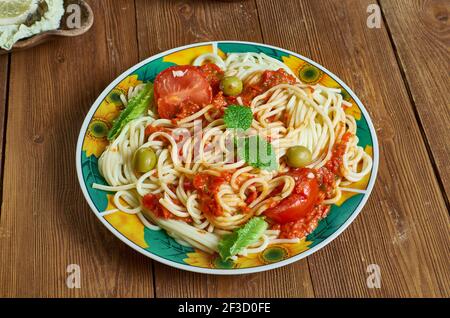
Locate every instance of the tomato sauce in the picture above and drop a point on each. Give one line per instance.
(220, 102)
(268, 80)
(152, 129)
(207, 187)
(304, 226)
(337, 155)
(327, 182)
(151, 203)
(213, 75)
(251, 197)
(188, 186)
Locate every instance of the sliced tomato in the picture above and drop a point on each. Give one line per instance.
(178, 86)
(302, 200)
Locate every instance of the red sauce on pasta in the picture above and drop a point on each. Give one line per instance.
(268, 80)
(304, 226)
(251, 197)
(337, 155)
(207, 187)
(152, 129)
(213, 75)
(220, 102)
(296, 215)
(151, 203)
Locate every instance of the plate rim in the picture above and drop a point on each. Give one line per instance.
(233, 271)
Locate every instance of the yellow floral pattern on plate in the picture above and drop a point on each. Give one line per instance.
(309, 74)
(96, 135)
(206, 260)
(187, 56)
(127, 224)
(272, 254)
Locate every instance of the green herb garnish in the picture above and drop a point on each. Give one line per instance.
(136, 107)
(237, 116)
(257, 152)
(235, 242)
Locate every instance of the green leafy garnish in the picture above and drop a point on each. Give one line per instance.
(136, 107)
(235, 242)
(237, 116)
(257, 152)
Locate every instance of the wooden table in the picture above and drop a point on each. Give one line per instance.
(400, 71)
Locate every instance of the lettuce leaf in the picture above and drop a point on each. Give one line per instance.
(136, 107)
(235, 242)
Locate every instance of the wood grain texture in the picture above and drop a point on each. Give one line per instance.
(4, 64)
(404, 226)
(290, 281)
(45, 223)
(167, 24)
(421, 34)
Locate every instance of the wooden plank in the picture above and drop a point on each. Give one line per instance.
(168, 24)
(404, 227)
(421, 34)
(290, 281)
(46, 223)
(4, 63)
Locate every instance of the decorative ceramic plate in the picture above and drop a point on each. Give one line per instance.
(157, 244)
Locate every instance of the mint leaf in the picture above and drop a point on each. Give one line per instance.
(257, 152)
(136, 107)
(237, 116)
(235, 242)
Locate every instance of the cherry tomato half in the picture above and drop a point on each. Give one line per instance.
(178, 86)
(301, 201)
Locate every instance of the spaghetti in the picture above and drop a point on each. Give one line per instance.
(199, 190)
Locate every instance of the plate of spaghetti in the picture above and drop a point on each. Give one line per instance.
(227, 157)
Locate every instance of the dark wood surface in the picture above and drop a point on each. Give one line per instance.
(421, 37)
(399, 71)
(4, 63)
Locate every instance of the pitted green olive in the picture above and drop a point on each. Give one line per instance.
(298, 157)
(231, 85)
(144, 160)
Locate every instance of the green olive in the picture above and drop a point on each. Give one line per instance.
(144, 160)
(231, 85)
(298, 157)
